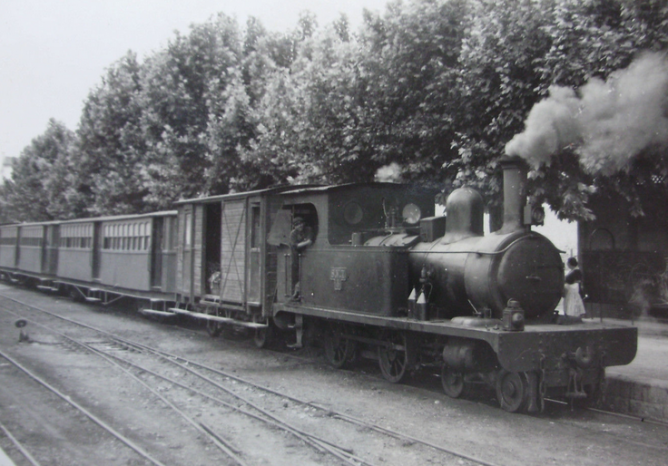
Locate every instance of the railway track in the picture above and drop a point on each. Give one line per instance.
(150, 367)
(19, 446)
(92, 417)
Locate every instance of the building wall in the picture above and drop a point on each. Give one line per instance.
(624, 257)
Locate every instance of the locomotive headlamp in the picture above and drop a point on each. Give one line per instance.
(513, 317)
(411, 214)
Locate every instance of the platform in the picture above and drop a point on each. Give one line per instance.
(641, 388)
(4, 459)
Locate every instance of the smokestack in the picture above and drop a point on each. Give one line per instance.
(514, 193)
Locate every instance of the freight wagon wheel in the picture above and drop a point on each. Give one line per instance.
(75, 295)
(338, 350)
(213, 328)
(396, 357)
(510, 390)
(262, 336)
(453, 381)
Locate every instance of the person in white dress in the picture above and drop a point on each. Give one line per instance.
(573, 305)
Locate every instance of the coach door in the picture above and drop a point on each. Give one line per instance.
(157, 246)
(52, 240)
(96, 244)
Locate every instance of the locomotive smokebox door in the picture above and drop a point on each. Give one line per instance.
(513, 317)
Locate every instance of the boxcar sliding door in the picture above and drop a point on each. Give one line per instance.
(233, 251)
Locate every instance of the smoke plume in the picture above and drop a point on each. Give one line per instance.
(389, 173)
(606, 122)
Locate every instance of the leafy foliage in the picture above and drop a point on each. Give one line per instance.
(35, 189)
(434, 89)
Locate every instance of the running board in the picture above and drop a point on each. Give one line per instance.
(218, 304)
(47, 288)
(222, 320)
(155, 312)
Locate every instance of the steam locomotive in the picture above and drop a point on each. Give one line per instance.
(382, 277)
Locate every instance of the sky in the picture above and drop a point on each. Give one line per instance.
(54, 52)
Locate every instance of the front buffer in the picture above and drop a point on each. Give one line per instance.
(557, 361)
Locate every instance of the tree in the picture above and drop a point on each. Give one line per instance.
(497, 85)
(178, 85)
(111, 143)
(34, 184)
(409, 69)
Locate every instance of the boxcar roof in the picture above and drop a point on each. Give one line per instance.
(347, 186)
(274, 190)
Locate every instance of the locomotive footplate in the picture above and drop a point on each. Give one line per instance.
(540, 347)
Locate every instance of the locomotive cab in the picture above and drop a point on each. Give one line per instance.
(359, 257)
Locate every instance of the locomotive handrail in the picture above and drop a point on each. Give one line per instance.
(480, 253)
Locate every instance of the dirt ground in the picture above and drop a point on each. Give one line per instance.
(58, 435)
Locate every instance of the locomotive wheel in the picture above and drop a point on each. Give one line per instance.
(396, 358)
(452, 381)
(338, 350)
(213, 328)
(511, 390)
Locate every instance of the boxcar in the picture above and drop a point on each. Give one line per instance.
(226, 269)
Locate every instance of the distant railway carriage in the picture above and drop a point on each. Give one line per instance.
(9, 240)
(96, 258)
(382, 277)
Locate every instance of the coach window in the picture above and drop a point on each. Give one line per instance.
(145, 234)
(187, 228)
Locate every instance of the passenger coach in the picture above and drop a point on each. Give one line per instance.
(97, 259)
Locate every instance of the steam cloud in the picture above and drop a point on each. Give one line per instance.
(607, 124)
(389, 173)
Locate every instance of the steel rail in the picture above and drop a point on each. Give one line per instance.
(642, 419)
(26, 454)
(320, 444)
(215, 439)
(222, 444)
(83, 410)
(342, 416)
(271, 420)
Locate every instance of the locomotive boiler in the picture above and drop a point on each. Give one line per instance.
(465, 273)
